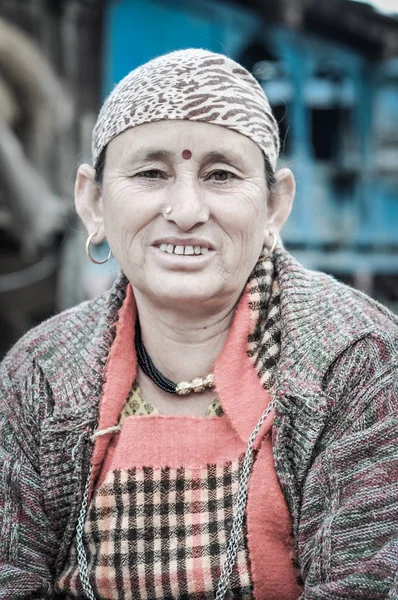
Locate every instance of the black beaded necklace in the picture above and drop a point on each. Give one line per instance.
(146, 364)
(199, 384)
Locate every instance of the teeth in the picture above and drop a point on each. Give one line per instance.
(180, 250)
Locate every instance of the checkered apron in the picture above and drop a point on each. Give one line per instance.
(157, 533)
(162, 533)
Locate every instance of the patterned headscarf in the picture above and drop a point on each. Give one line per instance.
(195, 85)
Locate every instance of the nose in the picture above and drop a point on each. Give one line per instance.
(188, 208)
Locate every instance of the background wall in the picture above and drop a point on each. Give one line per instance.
(329, 68)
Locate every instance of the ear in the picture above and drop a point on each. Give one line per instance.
(88, 202)
(280, 201)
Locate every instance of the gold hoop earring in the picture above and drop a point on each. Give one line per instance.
(93, 260)
(273, 246)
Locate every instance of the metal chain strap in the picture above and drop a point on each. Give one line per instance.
(237, 524)
(81, 551)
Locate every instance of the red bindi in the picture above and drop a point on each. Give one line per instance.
(186, 154)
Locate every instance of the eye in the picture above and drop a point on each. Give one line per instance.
(151, 174)
(221, 175)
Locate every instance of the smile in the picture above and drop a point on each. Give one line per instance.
(183, 250)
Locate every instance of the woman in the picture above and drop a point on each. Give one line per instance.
(223, 422)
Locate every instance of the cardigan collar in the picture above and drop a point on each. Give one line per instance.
(320, 318)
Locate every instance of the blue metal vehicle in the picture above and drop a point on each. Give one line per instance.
(337, 110)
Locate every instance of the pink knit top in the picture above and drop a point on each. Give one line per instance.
(164, 490)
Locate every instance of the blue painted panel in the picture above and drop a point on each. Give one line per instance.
(361, 212)
(138, 30)
(137, 33)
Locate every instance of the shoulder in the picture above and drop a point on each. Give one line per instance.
(50, 337)
(67, 349)
(360, 336)
(322, 318)
(331, 293)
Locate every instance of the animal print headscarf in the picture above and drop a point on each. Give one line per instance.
(196, 85)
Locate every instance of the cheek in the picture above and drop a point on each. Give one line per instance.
(127, 212)
(245, 215)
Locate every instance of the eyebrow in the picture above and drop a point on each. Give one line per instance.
(151, 155)
(223, 157)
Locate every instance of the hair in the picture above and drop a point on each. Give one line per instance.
(269, 174)
(100, 167)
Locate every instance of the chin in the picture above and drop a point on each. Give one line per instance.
(183, 293)
(181, 290)
(184, 296)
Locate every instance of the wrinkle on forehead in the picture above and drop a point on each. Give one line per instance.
(165, 141)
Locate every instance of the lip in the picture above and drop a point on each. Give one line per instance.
(184, 242)
(182, 262)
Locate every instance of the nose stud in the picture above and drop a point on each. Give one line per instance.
(168, 210)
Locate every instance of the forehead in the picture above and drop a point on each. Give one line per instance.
(176, 136)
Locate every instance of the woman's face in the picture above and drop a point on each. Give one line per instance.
(213, 180)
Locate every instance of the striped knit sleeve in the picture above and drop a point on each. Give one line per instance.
(348, 534)
(26, 541)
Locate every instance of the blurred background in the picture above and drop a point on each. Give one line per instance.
(328, 67)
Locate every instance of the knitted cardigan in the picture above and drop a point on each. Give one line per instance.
(335, 436)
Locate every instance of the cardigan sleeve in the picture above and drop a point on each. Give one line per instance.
(27, 544)
(348, 533)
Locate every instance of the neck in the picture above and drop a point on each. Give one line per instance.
(182, 345)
